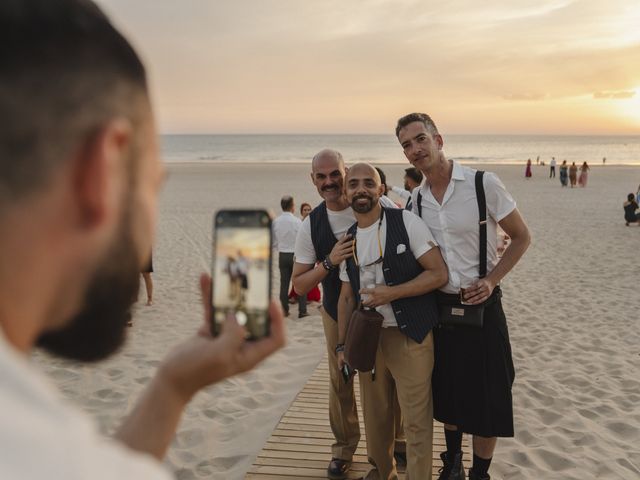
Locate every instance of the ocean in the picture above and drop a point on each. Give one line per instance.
(508, 149)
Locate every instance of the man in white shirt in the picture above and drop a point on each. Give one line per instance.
(79, 178)
(552, 168)
(395, 267)
(285, 230)
(412, 179)
(473, 371)
(322, 240)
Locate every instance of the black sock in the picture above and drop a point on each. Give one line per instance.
(481, 465)
(454, 442)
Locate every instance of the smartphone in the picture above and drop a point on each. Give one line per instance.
(241, 270)
(347, 373)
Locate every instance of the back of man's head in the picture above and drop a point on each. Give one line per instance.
(66, 71)
(414, 174)
(286, 203)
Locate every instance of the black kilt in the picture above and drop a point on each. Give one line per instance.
(473, 374)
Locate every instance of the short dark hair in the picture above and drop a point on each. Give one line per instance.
(417, 117)
(286, 203)
(66, 71)
(630, 197)
(414, 174)
(383, 179)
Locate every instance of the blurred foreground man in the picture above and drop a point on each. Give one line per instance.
(79, 177)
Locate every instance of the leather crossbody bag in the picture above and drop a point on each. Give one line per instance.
(361, 342)
(452, 312)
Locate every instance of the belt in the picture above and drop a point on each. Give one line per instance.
(454, 298)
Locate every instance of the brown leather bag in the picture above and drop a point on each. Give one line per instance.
(361, 342)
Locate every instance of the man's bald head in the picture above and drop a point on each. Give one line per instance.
(366, 169)
(326, 156)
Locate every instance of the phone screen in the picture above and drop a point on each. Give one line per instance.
(242, 270)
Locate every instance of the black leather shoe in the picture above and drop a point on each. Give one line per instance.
(337, 469)
(451, 471)
(475, 476)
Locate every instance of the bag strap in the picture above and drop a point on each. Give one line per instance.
(482, 211)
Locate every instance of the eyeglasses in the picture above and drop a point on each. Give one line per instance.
(355, 249)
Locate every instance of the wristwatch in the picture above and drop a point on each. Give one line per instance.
(339, 348)
(326, 263)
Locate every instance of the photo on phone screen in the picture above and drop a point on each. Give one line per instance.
(241, 270)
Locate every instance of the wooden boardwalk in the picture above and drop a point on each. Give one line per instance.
(300, 446)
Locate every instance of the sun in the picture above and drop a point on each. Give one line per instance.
(629, 108)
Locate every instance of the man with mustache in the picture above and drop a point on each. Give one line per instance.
(322, 239)
(79, 179)
(395, 268)
(473, 371)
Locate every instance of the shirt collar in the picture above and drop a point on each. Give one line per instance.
(458, 171)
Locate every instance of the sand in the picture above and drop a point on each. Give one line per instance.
(572, 305)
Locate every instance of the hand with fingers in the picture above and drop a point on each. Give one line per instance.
(342, 250)
(203, 359)
(479, 292)
(374, 297)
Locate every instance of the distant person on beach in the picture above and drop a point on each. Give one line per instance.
(285, 230)
(79, 180)
(538, 160)
(314, 294)
(552, 168)
(242, 264)
(604, 160)
(573, 174)
(401, 287)
(412, 179)
(322, 239)
(630, 207)
(564, 174)
(473, 372)
(584, 174)
(527, 171)
(148, 282)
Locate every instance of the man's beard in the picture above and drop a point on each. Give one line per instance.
(98, 330)
(366, 208)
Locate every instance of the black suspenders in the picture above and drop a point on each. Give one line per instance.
(482, 211)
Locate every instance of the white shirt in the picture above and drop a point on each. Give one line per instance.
(285, 230)
(401, 192)
(454, 224)
(368, 251)
(339, 222)
(42, 437)
(552, 163)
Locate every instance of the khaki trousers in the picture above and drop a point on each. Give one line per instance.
(409, 364)
(343, 413)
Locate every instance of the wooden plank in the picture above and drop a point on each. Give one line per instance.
(300, 445)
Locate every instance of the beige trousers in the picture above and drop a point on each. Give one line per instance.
(409, 364)
(343, 413)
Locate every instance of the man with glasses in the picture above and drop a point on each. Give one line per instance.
(395, 267)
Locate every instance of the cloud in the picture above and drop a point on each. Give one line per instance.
(614, 95)
(524, 96)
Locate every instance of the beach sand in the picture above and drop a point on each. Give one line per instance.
(572, 304)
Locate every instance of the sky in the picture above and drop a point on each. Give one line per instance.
(356, 66)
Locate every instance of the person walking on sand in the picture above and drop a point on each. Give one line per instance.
(552, 167)
(573, 174)
(564, 174)
(87, 183)
(473, 372)
(401, 287)
(527, 171)
(148, 282)
(584, 175)
(285, 230)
